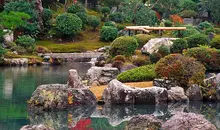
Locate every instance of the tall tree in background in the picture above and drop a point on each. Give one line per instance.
(214, 7)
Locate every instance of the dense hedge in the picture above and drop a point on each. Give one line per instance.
(108, 33)
(184, 70)
(179, 45)
(144, 73)
(196, 40)
(209, 57)
(142, 39)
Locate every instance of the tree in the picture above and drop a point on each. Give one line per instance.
(214, 7)
(94, 21)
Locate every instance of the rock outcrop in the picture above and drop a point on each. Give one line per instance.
(36, 127)
(103, 75)
(118, 93)
(16, 61)
(164, 83)
(194, 93)
(188, 121)
(176, 94)
(74, 80)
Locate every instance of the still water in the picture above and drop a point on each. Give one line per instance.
(18, 83)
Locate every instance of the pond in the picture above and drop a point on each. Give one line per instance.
(18, 83)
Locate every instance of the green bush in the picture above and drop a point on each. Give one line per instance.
(94, 21)
(189, 5)
(124, 45)
(179, 45)
(143, 39)
(196, 40)
(116, 17)
(140, 61)
(217, 31)
(27, 42)
(76, 8)
(188, 13)
(190, 30)
(120, 27)
(84, 17)
(183, 70)
(2, 53)
(216, 42)
(47, 16)
(155, 57)
(108, 33)
(144, 73)
(19, 49)
(110, 23)
(164, 50)
(105, 10)
(119, 58)
(68, 24)
(209, 57)
(168, 23)
(2, 33)
(205, 25)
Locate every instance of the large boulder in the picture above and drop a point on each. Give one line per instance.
(153, 44)
(74, 80)
(16, 61)
(36, 127)
(144, 122)
(194, 93)
(9, 36)
(103, 75)
(118, 93)
(188, 121)
(176, 94)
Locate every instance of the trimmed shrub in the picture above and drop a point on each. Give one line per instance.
(179, 45)
(205, 25)
(116, 17)
(119, 58)
(109, 24)
(108, 33)
(68, 24)
(196, 40)
(105, 10)
(168, 23)
(144, 73)
(140, 61)
(164, 50)
(27, 42)
(124, 45)
(209, 57)
(120, 27)
(216, 42)
(155, 57)
(190, 30)
(143, 39)
(188, 13)
(84, 17)
(76, 8)
(183, 70)
(94, 21)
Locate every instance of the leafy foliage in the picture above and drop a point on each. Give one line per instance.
(27, 42)
(176, 19)
(196, 40)
(110, 23)
(76, 8)
(142, 39)
(155, 57)
(205, 25)
(216, 42)
(84, 17)
(184, 70)
(188, 13)
(2, 52)
(94, 21)
(144, 73)
(116, 17)
(179, 45)
(124, 45)
(47, 16)
(168, 23)
(164, 50)
(108, 33)
(105, 10)
(190, 30)
(189, 5)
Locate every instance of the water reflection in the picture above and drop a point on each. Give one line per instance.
(8, 88)
(116, 116)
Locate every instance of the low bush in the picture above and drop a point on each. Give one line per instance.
(190, 30)
(94, 21)
(108, 33)
(179, 45)
(164, 50)
(216, 42)
(116, 17)
(196, 40)
(144, 73)
(110, 23)
(83, 16)
(124, 45)
(76, 8)
(205, 25)
(19, 49)
(209, 57)
(105, 10)
(119, 58)
(27, 42)
(140, 61)
(142, 39)
(176, 19)
(155, 57)
(168, 23)
(184, 70)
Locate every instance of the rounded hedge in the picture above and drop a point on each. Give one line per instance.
(143, 73)
(143, 39)
(68, 24)
(215, 43)
(205, 25)
(84, 17)
(116, 17)
(124, 45)
(108, 33)
(164, 50)
(76, 8)
(184, 70)
(105, 10)
(94, 21)
(110, 23)
(196, 40)
(179, 45)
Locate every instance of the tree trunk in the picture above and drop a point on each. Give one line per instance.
(39, 9)
(86, 3)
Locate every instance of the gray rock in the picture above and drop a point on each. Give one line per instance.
(164, 83)
(9, 36)
(36, 127)
(210, 80)
(176, 94)
(194, 93)
(16, 61)
(144, 122)
(101, 74)
(217, 80)
(118, 93)
(103, 49)
(188, 121)
(74, 80)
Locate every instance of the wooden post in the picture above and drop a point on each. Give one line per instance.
(129, 32)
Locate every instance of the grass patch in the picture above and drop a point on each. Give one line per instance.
(9, 54)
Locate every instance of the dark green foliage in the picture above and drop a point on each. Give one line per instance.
(188, 13)
(191, 30)
(179, 45)
(2, 33)
(30, 29)
(143, 39)
(84, 17)
(27, 42)
(68, 24)
(184, 70)
(76, 8)
(124, 45)
(215, 43)
(189, 5)
(164, 50)
(2, 52)
(108, 33)
(155, 57)
(47, 16)
(94, 21)
(205, 25)
(217, 31)
(109, 24)
(116, 17)
(209, 57)
(144, 73)
(196, 40)
(19, 49)
(120, 27)
(105, 10)
(168, 23)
